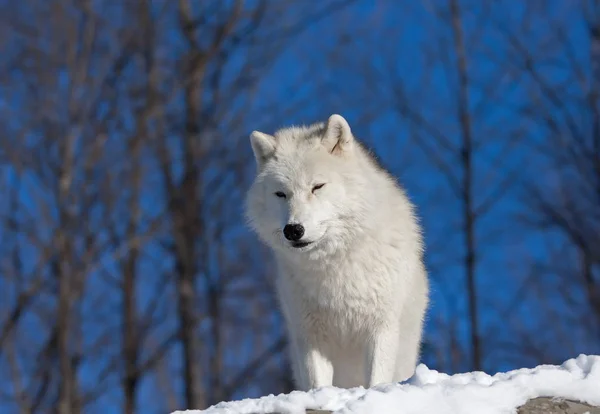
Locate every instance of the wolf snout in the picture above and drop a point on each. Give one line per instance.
(293, 232)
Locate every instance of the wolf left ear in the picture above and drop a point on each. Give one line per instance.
(338, 136)
(263, 146)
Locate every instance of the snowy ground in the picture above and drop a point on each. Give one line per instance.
(432, 392)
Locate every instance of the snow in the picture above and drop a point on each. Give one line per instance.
(429, 391)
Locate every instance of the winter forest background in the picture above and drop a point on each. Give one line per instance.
(128, 282)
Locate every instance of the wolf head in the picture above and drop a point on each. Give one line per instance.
(309, 197)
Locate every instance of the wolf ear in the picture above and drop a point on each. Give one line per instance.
(263, 146)
(338, 137)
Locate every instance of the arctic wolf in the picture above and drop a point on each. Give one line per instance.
(349, 252)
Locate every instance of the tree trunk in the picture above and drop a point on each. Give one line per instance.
(467, 180)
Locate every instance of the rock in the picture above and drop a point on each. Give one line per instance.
(541, 405)
(548, 405)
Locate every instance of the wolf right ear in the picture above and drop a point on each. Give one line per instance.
(338, 137)
(263, 146)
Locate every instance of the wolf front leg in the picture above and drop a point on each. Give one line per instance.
(313, 368)
(382, 351)
(411, 328)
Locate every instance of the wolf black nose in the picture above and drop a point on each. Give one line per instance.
(293, 232)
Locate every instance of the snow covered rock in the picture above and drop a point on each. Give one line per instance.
(547, 405)
(429, 391)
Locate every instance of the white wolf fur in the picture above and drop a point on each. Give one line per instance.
(354, 299)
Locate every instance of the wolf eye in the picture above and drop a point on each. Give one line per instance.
(317, 187)
(280, 194)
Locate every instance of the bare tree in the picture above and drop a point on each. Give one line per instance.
(122, 215)
(213, 119)
(565, 204)
(442, 93)
(462, 144)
